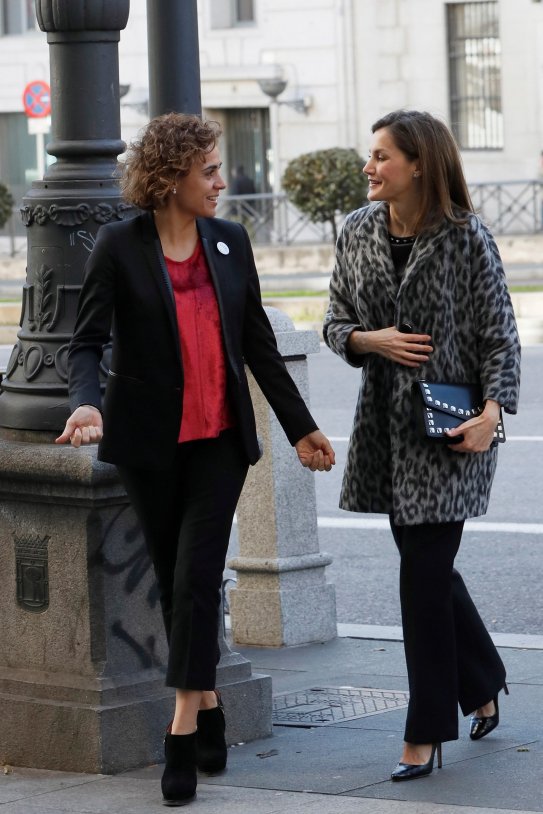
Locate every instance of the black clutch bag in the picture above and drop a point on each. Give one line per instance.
(439, 406)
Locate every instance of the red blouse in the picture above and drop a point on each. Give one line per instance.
(206, 411)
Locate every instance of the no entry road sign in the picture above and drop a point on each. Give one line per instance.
(37, 99)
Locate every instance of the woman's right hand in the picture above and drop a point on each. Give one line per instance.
(411, 350)
(84, 426)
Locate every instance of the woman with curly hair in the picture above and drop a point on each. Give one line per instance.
(179, 289)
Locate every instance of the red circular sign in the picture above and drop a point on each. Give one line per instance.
(37, 99)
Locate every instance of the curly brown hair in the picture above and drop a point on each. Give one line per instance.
(167, 149)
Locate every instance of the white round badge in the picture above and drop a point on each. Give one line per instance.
(223, 248)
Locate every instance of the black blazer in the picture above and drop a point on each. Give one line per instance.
(127, 294)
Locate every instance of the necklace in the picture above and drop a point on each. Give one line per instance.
(402, 241)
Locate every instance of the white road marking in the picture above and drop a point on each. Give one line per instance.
(378, 523)
(339, 439)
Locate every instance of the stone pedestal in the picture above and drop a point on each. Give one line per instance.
(82, 650)
(247, 697)
(281, 596)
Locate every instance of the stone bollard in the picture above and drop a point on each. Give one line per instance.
(281, 596)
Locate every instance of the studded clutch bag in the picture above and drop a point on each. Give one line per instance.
(439, 406)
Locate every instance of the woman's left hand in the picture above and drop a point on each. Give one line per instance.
(315, 452)
(478, 432)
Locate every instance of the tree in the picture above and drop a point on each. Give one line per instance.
(326, 182)
(6, 204)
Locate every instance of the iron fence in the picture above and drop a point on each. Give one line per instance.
(273, 218)
(508, 207)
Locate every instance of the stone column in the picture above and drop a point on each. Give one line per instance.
(281, 596)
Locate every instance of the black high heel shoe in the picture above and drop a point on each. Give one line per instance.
(481, 726)
(211, 749)
(410, 771)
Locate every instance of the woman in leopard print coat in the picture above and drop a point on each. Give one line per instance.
(418, 291)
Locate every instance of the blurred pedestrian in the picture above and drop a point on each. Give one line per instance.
(419, 293)
(242, 210)
(241, 183)
(181, 292)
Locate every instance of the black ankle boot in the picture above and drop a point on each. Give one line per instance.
(210, 741)
(179, 778)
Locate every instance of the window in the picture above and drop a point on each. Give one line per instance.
(17, 16)
(243, 11)
(18, 159)
(475, 75)
(247, 136)
(231, 13)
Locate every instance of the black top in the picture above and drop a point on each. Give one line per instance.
(400, 249)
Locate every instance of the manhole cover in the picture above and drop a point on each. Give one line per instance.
(321, 706)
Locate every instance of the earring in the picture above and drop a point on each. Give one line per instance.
(416, 174)
(174, 191)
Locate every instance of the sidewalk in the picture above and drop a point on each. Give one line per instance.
(343, 766)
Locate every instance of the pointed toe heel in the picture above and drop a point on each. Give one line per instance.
(410, 771)
(480, 726)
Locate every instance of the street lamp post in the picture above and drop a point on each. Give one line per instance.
(273, 88)
(63, 211)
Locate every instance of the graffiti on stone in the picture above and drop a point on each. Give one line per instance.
(133, 567)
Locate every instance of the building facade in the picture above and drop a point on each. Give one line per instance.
(336, 66)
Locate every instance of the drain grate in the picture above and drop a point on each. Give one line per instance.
(322, 706)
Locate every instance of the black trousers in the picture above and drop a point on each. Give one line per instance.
(450, 656)
(186, 515)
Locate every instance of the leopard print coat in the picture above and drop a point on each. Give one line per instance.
(453, 289)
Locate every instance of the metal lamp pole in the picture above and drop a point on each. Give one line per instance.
(273, 88)
(174, 57)
(63, 212)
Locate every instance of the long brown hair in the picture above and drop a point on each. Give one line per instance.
(423, 138)
(167, 149)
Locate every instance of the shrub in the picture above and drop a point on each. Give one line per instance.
(326, 182)
(6, 204)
